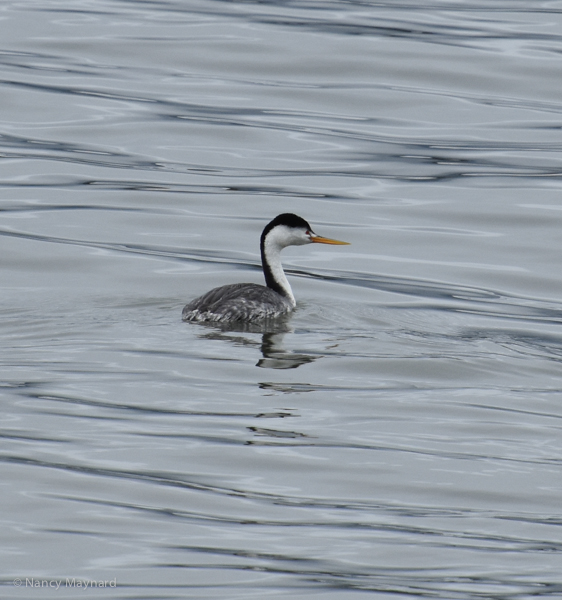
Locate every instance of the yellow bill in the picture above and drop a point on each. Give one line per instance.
(322, 240)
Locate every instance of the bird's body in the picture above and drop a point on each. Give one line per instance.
(245, 302)
(237, 302)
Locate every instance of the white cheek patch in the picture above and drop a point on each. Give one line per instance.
(283, 236)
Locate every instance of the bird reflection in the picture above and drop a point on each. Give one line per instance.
(274, 355)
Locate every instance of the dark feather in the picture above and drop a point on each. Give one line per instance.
(236, 302)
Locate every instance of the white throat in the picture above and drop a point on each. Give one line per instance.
(272, 251)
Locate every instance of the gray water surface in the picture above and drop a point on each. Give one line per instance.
(400, 437)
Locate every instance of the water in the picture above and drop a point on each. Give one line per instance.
(401, 438)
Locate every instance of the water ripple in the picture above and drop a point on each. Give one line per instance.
(404, 440)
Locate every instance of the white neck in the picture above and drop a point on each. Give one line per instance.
(272, 256)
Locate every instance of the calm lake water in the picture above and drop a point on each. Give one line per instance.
(402, 437)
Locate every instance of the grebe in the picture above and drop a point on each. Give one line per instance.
(250, 301)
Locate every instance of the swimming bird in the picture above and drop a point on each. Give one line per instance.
(247, 302)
